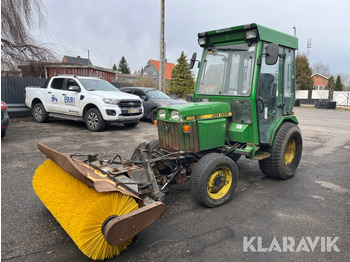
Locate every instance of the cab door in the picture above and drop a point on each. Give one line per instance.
(70, 99)
(288, 81)
(54, 96)
(269, 97)
(275, 92)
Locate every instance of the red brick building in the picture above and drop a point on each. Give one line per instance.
(320, 81)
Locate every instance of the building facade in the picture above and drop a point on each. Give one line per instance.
(320, 81)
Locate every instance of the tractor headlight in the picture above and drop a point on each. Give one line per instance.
(251, 34)
(161, 113)
(175, 115)
(111, 101)
(202, 41)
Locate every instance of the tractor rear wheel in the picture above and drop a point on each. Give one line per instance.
(213, 180)
(285, 153)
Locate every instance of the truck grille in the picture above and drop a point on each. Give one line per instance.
(129, 103)
(130, 107)
(171, 137)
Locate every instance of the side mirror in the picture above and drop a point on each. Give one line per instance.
(271, 56)
(74, 88)
(144, 98)
(193, 60)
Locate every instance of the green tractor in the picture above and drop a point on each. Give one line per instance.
(243, 105)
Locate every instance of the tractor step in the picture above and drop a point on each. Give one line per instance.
(260, 155)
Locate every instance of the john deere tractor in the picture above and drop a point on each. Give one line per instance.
(242, 106)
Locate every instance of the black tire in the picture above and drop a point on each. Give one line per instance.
(153, 115)
(234, 157)
(94, 121)
(133, 124)
(285, 153)
(154, 144)
(213, 180)
(3, 133)
(39, 113)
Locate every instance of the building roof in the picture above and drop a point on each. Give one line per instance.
(76, 60)
(319, 75)
(169, 67)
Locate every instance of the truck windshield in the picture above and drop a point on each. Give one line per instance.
(97, 85)
(227, 70)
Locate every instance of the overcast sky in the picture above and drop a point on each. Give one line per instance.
(115, 28)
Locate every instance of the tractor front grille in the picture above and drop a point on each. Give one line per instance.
(172, 138)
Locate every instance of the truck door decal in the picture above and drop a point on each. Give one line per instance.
(54, 99)
(69, 100)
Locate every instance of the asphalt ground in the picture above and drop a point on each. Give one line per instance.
(309, 208)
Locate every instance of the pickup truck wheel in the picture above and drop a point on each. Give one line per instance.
(213, 180)
(39, 113)
(133, 124)
(94, 121)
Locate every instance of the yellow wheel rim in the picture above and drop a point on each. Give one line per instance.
(219, 182)
(290, 152)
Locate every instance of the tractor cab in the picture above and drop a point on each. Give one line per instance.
(245, 90)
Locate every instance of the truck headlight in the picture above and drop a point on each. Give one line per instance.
(111, 101)
(161, 113)
(175, 115)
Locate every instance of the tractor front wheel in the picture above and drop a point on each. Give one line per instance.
(214, 180)
(285, 153)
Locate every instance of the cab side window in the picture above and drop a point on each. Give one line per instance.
(127, 91)
(70, 82)
(138, 93)
(57, 83)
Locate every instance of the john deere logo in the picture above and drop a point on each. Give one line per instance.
(167, 129)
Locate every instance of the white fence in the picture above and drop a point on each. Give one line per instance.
(341, 97)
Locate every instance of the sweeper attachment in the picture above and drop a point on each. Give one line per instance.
(96, 202)
(242, 106)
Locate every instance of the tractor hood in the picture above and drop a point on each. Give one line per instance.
(194, 111)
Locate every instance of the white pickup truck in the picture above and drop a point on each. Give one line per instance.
(92, 100)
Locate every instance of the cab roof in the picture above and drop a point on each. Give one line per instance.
(238, 33)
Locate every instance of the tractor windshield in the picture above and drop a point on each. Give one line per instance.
(227, 70)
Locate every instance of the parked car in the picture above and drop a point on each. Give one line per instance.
(5, 120)
(151, 99)
(91, 100)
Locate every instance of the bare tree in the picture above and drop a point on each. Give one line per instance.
(18, 18)
(322, 69)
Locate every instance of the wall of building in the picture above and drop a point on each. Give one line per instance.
(78, 71)
(320, 81)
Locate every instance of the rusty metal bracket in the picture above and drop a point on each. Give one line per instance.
(117, 230)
